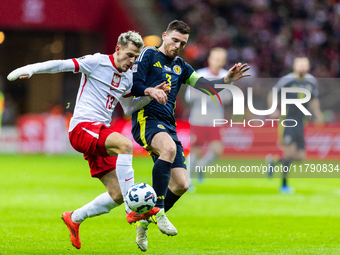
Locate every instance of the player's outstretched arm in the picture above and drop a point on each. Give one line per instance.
(52, 66)
(21, 73)
(208, 86)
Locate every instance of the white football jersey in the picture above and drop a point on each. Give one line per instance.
(214, 111)
(101, 87)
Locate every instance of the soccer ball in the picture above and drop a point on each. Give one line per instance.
(141, 198)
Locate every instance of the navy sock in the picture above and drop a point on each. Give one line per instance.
(285, 164)
(160, 180)
(170, 199)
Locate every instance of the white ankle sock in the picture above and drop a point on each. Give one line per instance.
(125, 175)
(100, 205)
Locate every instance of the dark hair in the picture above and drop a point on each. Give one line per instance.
(178, 25)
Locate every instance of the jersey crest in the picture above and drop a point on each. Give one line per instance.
(115, 80)
(177, 69)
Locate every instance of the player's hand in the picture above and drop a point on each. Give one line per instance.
(166, 87)
(157, 94)
(236, 72)
(21, 73)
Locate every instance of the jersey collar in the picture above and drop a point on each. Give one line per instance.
(165, 56)
(113, 63)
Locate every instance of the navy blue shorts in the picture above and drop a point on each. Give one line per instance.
(294, 135)
(143, 130)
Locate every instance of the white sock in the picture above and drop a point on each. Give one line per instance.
(100, 205)
(125, 175)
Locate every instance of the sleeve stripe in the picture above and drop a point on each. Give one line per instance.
(140, 57)
(76, 65)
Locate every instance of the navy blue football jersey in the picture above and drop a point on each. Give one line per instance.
(289, 80)
(152, 67)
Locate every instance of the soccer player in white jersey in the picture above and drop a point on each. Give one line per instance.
(106, 80)
(200, 125)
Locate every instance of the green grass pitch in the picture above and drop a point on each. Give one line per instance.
(223, 216)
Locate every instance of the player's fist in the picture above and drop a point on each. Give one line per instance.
(24, 72)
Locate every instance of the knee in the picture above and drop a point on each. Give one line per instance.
(181, 188)
(118, 144)
(184, 187)
(169, 152)
(126, 146)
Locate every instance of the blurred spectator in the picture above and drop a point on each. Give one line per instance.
(267, 34)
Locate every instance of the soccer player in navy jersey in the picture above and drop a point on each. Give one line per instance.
(292, 138)
(154, 126)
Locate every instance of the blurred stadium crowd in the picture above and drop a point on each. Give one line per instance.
(267, 34)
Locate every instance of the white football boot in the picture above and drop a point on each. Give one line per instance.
(142, 239)
(163, 223)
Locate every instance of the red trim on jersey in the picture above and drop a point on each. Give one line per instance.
(76, 65)
(83, 87)
(113, 62)
(128, 95)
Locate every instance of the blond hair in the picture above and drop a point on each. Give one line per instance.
(130, 37)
